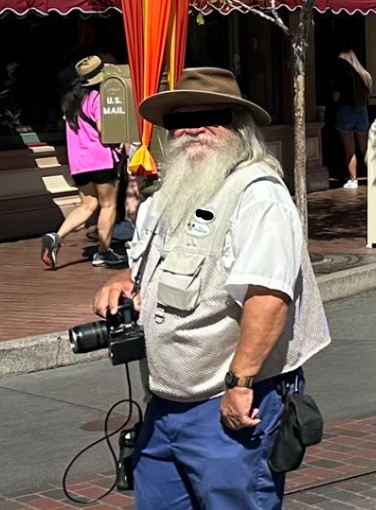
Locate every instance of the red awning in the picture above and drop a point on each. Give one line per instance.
(43, 7)
(336, 6)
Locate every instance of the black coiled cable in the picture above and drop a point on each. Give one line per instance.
(106, 438)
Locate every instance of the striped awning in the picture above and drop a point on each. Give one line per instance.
(244, 6)
(64, 7)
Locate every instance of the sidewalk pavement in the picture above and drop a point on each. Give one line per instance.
(39, 305)
(338, 474)
(351, 494)
(52, 415)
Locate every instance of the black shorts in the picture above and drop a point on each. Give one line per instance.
(95, 176)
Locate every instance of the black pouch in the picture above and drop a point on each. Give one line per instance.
(301, 426)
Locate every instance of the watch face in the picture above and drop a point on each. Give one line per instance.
(230, 380)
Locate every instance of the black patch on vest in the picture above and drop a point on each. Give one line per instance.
(205, 215)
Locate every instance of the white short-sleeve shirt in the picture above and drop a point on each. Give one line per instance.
(264, 243)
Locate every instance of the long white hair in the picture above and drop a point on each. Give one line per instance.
(255, 149)
(352, 59)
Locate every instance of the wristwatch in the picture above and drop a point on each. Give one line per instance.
(232, 381)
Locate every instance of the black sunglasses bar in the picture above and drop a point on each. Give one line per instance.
(201, 118)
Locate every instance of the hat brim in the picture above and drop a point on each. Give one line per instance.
(98, 78)
(154, 107)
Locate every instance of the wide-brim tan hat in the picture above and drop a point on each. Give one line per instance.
(90, 71)
(197, 87)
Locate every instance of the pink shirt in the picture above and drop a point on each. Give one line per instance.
(86, 153)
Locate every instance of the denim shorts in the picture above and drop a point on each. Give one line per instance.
(352, 119)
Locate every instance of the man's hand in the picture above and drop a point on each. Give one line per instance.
(236, 409)
(107, 298)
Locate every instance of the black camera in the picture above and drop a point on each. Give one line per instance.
(119, 333)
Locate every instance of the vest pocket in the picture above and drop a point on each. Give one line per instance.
(180, 281)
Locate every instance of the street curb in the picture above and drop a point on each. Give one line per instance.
(52, 350)
(42, 352)
(348, 282)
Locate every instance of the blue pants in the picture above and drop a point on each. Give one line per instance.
(186, 459)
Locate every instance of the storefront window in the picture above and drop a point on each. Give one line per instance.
(262, 51)
(38, 53)
(251, 47)
(207, 44)
(36, 67)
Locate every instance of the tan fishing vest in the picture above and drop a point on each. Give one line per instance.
(191, 324)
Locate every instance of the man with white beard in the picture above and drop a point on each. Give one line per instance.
(228, 302)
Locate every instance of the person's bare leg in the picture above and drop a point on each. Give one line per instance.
(132, 200)
(362, 140)
(349, 146)
(80, 215)
(107, 213)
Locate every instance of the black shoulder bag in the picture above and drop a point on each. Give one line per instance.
(301, 426)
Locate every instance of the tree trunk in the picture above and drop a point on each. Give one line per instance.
(299, 42)
(300, 163)
(299, 47)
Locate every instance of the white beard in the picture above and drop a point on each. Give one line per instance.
(192, 175)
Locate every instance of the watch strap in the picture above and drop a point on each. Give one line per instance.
(245, 381)
(232, 380)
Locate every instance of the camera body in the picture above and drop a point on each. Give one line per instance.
(120, 333)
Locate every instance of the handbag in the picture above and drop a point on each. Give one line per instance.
(301, 425)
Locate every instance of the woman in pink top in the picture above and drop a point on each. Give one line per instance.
(91, 165)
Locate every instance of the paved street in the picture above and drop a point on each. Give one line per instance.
(51, 415)
(353, 494)
(343, 376)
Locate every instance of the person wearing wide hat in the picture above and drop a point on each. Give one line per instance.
(229, 303)
(91, 165)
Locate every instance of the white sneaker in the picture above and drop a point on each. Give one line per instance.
(351, 184)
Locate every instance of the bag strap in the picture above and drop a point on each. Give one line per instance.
(141, 269)
(93, 124)
(87, 119)
(283, 388)
(84, 116)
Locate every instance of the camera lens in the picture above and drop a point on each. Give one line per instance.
(88, 337)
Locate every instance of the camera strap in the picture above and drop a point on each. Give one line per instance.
(141, 269)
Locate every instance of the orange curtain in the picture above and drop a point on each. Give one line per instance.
(146, 24)
(133, 23)
(177, 40)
